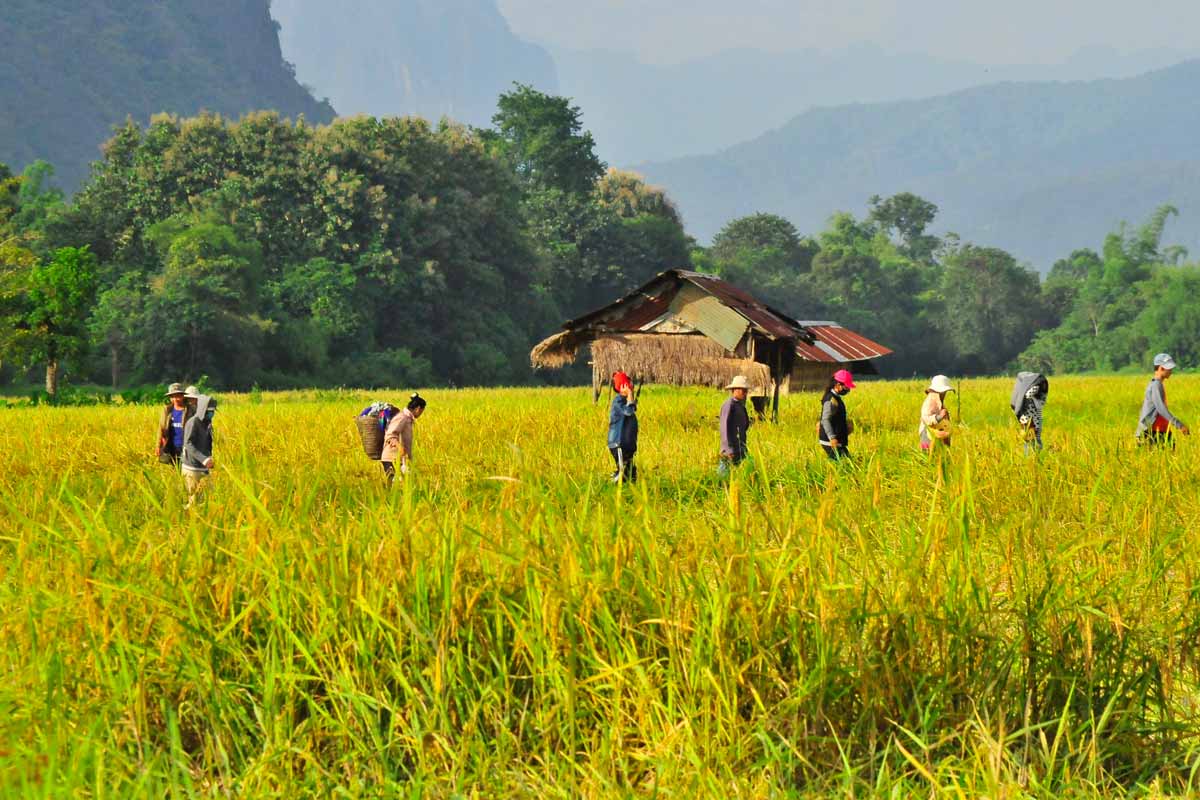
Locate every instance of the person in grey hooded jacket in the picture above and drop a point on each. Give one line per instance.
(197, 459)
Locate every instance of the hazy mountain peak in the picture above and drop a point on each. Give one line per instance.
(1038, 168)
(431, 58)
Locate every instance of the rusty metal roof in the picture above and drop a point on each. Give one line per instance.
(771, 322)
(825, 341)
(834, 344)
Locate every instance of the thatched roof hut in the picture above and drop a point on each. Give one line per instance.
(690, 329)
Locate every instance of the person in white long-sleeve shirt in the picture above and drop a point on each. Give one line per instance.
(935, 417)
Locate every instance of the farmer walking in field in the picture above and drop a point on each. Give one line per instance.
(398, 438)
(835, 428)
(196, 460)
(175, 415)
(734, 424)
(935, 417)
(1028, 401)
(1155, 421)
(623, 428)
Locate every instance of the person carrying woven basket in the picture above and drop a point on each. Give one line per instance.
(935, 417)
(398, 438)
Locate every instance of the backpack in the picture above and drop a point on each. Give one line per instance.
(372, 422)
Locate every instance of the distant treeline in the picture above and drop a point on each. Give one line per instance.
(390, 252)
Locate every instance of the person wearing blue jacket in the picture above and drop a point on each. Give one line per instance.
(623, 428)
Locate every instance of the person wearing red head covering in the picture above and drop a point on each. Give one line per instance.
(835, 428)
(623, 428)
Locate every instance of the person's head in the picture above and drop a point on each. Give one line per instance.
(1164, 365)
(211, 410)
(175, 396)
(842, 382)
(941, 385)
(191, 394)
(739, 387)
(416, 405)
(619, 381)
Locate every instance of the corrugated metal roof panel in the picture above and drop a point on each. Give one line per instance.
(697, 308)
(821, 341)
(766, 319)
(835, 344)
(636, 315)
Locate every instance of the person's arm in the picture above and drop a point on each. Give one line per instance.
(1159, 400)
(741, 430)
(164, 429)
(827, 422)
(931, 413)
(406, 433)
(630, 404)
(726, 438)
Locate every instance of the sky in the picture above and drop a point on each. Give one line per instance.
(986, 32)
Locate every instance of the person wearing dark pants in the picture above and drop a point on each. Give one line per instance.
(1155, 421)
(835, 427)
(623, 429)
(735, 425)
(174, 417)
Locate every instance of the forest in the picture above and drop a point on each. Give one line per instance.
(383, 252)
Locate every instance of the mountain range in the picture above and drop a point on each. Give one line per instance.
(1036, 168)
(430, 58)
(651, 112)
(71, 70)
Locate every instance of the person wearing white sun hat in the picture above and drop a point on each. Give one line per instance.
(935, 417)
(735, 423)
(1155, 421)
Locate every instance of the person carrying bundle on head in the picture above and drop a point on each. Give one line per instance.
(398, 438)
(623, 428)
(935, 417)
(1155, 420)
(1028, 400)
(834, 429)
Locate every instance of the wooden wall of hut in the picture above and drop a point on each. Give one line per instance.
(810, 376)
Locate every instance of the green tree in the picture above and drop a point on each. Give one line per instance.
(37, 198)
(201, 313)
(762, 232)
(48, 325)
(543, 137)
(629, 196)
(993, 306)
(115, 322)
(908, 216)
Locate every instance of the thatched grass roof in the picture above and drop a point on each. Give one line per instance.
(678, 360)
(557, 351)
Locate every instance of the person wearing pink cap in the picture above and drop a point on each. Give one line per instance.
(835, 429)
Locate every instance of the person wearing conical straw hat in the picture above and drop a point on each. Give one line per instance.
(1155, 420)
(735, 424)
(935, 417)
(835, 428)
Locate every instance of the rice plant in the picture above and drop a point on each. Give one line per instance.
(507, 623)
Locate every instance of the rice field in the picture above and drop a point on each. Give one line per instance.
(507, 623)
